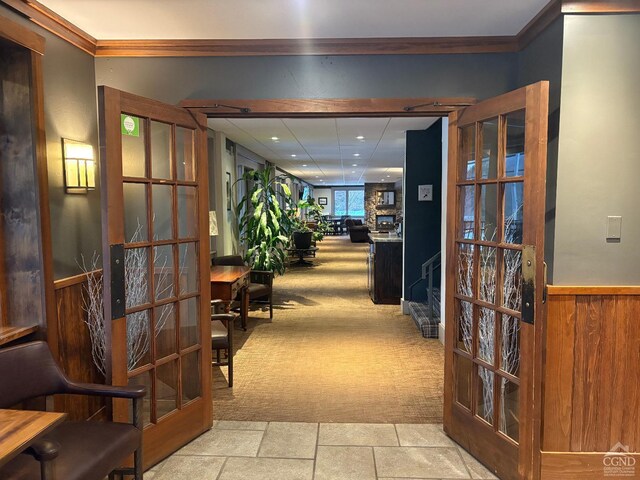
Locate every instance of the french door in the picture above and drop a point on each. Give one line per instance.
(495, 279)
(155, 256)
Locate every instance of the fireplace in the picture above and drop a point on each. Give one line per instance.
(385, 222)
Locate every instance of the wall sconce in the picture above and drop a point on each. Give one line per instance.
(79, 166)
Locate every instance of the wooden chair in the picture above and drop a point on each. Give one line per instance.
(222, 337)
(260, 289)
(72, 450)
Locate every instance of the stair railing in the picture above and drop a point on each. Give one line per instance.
(428, 269)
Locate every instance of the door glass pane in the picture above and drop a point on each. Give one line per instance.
(190, 376)
(188, 268)
(136, 276)
(162, 212)
(514, 164)
(189, 325)
(485, 394)
(487, 274)
(464, 278)
(160, 150)
(185, 160)
(165, 318)
(135, 212)
(464, 324)
(513, 210)
(138, 339)
(145, 380)
(166, 388)
(509, 409)
(463, 367)
(467, 168)
(489, 212)
(490, 148)
(187, 212)
(468, 208)
(163, 272)
(486, 334)
(510, 350)
(512, 279)
(133, 150)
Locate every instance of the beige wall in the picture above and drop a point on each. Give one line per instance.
(599, 151)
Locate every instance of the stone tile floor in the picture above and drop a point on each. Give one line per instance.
(325, 451)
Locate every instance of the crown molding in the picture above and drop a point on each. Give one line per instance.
(21, 35)
(54, 23)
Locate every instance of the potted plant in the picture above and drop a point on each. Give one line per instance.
(264, 226)
(314, 213)
(302, 235)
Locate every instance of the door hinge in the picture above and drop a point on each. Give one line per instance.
(116, 254)
(528, 283)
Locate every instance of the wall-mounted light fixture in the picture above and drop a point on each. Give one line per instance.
(79, 166)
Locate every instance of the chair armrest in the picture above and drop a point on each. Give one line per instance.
(262, 276)
(225, 317)
(43, 450)
(133, 392)
(217, 301)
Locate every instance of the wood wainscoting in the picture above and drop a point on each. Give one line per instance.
(74, 350)
(591, 379)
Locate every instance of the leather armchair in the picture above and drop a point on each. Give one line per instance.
(260, 288)
(358, 233)
(73, 450)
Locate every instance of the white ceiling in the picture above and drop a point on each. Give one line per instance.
(327, 146)
(263, 19)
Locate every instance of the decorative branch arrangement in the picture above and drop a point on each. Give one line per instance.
(511, 298)
(136, 293)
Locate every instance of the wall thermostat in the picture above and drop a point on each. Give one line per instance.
(425, 193)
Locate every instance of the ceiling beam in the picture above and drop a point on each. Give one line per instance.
(329, 107)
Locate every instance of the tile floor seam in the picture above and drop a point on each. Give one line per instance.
(315, 453)
(264, 434)
(466, 467)
(222, 469)
(375, 466)
(395, 427)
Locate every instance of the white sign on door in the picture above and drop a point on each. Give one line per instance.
(425, 193)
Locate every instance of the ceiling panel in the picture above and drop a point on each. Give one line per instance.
(327, 151)
(251, 19)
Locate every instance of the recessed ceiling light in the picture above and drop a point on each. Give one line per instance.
(387, 175)
(275, 139)
(304, 164)
(356, 154)
(359, 137)
(317, 176)
(353, 171)
(354, 164)
(293, 155)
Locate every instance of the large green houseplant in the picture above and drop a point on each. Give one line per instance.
(264, 226)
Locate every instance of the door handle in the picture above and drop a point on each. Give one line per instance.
(528, 284)
(544, 287)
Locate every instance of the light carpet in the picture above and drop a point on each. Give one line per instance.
(330, 354)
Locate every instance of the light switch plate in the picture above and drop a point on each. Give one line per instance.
(614, 227)
(425, 193)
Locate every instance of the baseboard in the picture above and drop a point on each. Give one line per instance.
(404, 305)
(441, 332)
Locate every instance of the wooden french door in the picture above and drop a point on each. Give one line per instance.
(495, 279)
(153, 160)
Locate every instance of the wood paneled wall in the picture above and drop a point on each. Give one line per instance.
(591, 379)
(74, 349)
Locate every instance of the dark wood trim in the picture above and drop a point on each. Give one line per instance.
(54, 23)
(329, 107)
(16, 33)
(539, 23)
(576, 465)
(593, 290)
(602, 6)
(305, 46)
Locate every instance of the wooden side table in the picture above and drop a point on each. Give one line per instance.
(227, 282)
(20, 428)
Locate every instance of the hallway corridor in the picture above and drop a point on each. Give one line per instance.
(330, 354)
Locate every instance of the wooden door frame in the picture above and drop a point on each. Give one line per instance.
(536, 100)
(22, 36)
(328, 107)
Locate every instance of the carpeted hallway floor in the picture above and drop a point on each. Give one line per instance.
(330, 354)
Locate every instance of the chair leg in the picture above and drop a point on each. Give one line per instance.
(137, 464)
(230, 359)
(271, 306)
(217, 356)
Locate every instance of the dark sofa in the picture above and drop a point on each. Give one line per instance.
(358, 233)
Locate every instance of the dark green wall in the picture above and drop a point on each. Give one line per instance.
(70, 112)
(422, 220)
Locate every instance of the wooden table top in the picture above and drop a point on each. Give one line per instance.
(18, 428)
(9, 333)
(228, 274)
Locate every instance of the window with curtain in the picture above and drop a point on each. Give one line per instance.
(348, 202)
